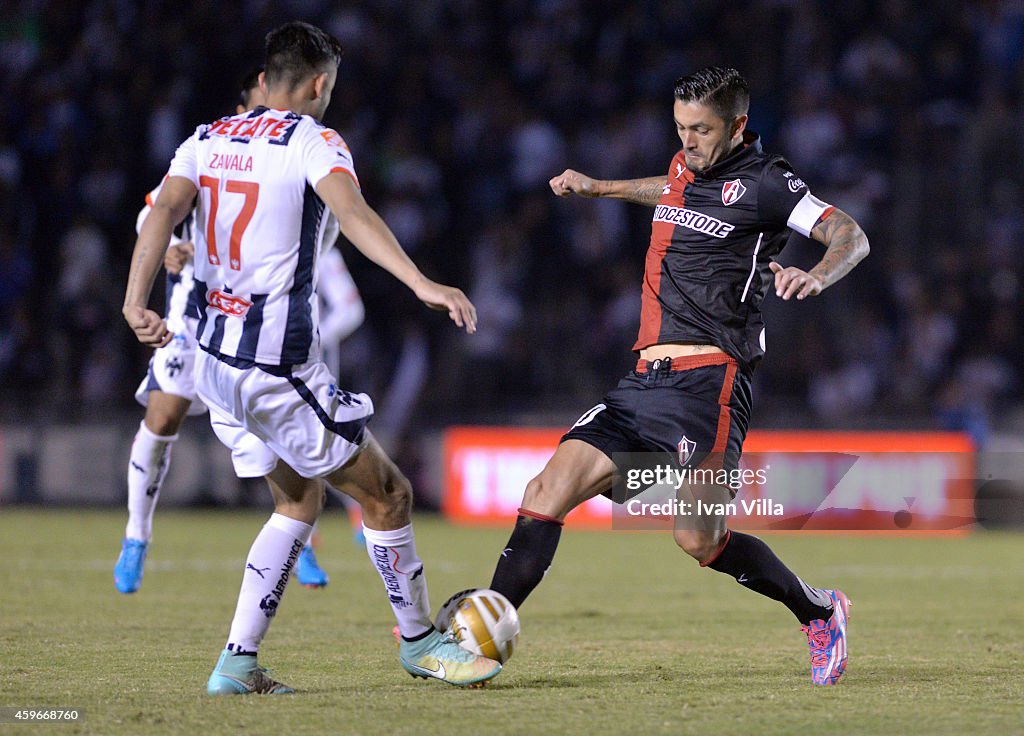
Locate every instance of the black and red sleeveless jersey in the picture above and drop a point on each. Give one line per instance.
(712, 238)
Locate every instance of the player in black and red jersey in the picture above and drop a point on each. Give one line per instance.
(722, 214)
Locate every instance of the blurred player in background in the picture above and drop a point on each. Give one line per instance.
(268, 183)
(168, 391)
(722, 214)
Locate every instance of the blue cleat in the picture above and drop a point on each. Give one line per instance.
(130, 565)
(439, 656)
(308, 571)
(238, 674)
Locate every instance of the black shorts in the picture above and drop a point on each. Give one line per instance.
(695, 407)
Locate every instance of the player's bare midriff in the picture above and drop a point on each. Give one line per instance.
(676, 350)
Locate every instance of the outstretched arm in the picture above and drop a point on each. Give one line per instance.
(374, 239)
(846, 245)
(170, 208)
(639, 191)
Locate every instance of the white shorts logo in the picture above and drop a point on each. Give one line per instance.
(588, 416)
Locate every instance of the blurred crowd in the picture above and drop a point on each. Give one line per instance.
(904, 114)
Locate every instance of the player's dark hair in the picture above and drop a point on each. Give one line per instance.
(722, 89)
(249, 82)
(297, 51)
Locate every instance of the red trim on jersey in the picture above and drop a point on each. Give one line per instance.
(540, 517)
(721, 548)
(686, 362)
(650, 307)
(346, 171)
(725, 411)
(149, 195)
(661, 239)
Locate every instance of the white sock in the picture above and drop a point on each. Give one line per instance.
(271, 558)
(393, 553)
(147, 468)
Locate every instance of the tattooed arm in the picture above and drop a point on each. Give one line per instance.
(640, 191)
(846, 245)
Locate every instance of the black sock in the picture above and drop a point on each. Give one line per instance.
(424, 635)
(526, 557)
(755, 566)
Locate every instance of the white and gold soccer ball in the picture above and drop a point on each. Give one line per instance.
(483, 621)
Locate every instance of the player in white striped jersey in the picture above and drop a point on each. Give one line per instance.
(268, 184)
(168, 390)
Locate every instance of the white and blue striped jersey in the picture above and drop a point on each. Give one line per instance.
(259, 232)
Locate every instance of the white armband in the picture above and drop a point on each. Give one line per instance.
(808, 211)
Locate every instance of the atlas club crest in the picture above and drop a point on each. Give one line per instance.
(732, 191)
(686, 449)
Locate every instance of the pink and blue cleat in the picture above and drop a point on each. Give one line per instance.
(827, 641)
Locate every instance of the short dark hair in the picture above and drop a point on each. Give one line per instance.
(722, 89)
(249, 82)
(296, 51)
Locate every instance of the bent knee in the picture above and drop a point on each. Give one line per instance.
(391, 499)
(700, 545)
(536, 489)
(164, 415)
(545, 497)
(163, 423)
(398, 491)
(302, 500)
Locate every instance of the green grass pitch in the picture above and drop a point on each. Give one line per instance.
(626, 635)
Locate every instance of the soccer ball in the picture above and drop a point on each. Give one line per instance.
(444, 615)
(483, 621)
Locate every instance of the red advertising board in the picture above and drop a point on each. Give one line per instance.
(824, 481)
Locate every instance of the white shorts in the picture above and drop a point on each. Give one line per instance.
(172, 371)
(303, 419)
